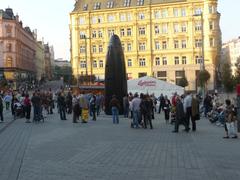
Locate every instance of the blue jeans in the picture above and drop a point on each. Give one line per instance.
(126, 111)
(136, 117)
(115, 115)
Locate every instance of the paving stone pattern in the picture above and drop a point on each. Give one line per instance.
(101, 150)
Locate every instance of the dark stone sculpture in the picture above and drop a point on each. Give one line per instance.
(115, 74)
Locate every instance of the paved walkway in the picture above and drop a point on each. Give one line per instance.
(102, 151)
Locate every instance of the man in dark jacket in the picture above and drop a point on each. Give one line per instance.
(146, 107)
(180, 115)
(62, 106)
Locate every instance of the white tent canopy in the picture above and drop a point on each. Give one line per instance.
(151, 85)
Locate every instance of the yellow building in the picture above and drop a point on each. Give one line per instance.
(160, 38)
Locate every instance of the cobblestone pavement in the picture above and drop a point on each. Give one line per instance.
(100, 150)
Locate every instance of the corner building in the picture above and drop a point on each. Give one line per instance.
(160, 38)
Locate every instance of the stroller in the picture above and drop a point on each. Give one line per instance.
(18, 110)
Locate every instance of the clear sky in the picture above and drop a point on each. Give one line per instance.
(51, 19)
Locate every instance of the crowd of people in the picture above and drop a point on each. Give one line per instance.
(141, 108)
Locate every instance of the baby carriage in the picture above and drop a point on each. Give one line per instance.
(18, 110)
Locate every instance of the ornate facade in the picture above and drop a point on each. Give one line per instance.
(17, 49)
(160, 38)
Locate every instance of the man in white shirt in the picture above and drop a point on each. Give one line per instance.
(136, 110)
(187, 103)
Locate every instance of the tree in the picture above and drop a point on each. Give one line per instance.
(237, 72)
(183, 82)
(227, 78)
(203, 77)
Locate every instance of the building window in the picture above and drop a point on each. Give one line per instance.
(198, 11)
(97, 5)
(175, 27)
(129, 32)
(100, 48)
(83, 64)
(94, 20)
(157, 30)
(179, 75)
(85, 7)
(100, 34)
(157, 45)
(211, 25)
(94, 34)
(110, 4)
(198, 26)
(101, 63)
(184, 27)
(129, 17)
(164, 28)
(111, 18)
(100, 19)
(94, 49)
(122, 17)
(212, 9)
(9, 47)
(110, 32)
(81, 20)
(142, 46)
(142, 31)
(164, 13)
(211, 41)
(162, 75)
(164, 61)
(82, 35)
(95, 64)
(141, 16)
(140, 2)
(127, 3)
(176, 60)
(183, 12)
(129, 47)
(129, 63)
(122, 32)
(184, 60)
(175, 12)
(164, 44)
(9, 62)
(198, 60)
(157, 14)
(82, 49)
(176, 46)
(157, 61)
(184, 44)
(142, 62)
(198, 43)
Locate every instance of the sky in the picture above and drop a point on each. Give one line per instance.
(51, 19)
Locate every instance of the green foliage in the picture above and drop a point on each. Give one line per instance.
(237, 73)
(183, 82)
(3, 82)
(64, 72)
(203, 77)
(227, 78)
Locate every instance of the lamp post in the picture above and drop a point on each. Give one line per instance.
(202, 64)
(202, 34)
(85, 38)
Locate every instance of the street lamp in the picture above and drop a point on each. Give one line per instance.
(85, 38)
(202, 34)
